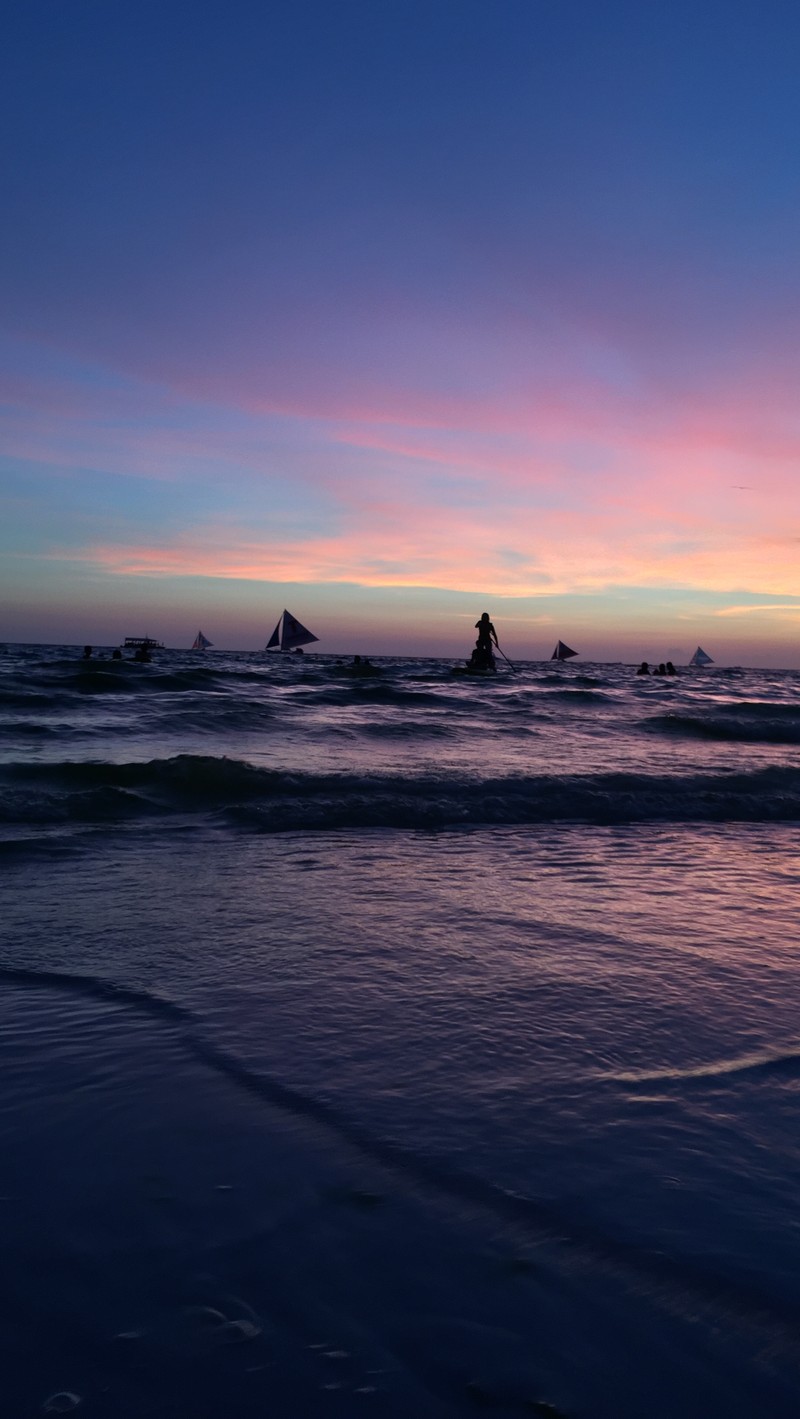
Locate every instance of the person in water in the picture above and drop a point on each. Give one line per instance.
(644, 668)
(116, 654)
(671, 668)
(87, 652)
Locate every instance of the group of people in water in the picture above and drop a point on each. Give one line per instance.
(360, 665)
(141, 655)
(662, 669)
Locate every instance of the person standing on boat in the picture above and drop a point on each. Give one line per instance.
(486, 634)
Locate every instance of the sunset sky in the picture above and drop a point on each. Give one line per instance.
(396, 312)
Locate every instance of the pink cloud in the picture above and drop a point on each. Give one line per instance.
(391, 543)
(559, 481)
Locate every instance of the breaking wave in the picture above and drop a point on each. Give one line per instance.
(273, 800)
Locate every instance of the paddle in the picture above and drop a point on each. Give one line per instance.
(506, 659)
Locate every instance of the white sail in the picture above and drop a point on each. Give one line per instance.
(201, 642)
(700, 658)
(289, 634)
(563, 652)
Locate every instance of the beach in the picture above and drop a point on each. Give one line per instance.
(394, 1044)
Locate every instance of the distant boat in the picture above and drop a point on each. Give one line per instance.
(700, 658)
(289, 634)
(142, 643)
(201, 642)
(563, 652)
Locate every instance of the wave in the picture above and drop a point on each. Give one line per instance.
(276, 800)
(24, 699)
(578, 696)
(211, 719)
(558, 677)
(785, 1063)
(113, 677)
(364, 690)
(767, 728)
(46, 845)
(24, 729)
(410, 729)
(257, 688)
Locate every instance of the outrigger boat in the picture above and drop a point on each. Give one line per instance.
(142, 643)
(201, 642)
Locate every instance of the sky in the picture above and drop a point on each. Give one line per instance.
(395, 313)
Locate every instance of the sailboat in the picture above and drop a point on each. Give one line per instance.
(201, 642)
(563, 652)
(289, 634)
(700, 658)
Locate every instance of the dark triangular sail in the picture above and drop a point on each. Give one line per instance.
(201, 642)
(289, 634)
(563, 652)
(700, 658)
(294, 634)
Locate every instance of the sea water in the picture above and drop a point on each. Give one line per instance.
(400, 1043)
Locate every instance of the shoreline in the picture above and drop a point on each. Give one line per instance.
(206, 1248)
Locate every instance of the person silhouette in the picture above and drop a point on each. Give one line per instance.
(483, 654)
(486, 634)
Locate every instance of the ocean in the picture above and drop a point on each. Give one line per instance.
(399, 1044)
